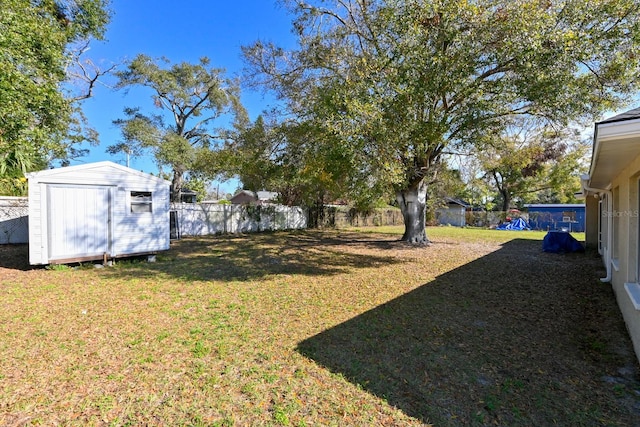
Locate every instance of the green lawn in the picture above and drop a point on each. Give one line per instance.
(469, 234)
(318, 328)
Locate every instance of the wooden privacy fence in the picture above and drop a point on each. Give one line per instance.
(14, 220)
(200, 219)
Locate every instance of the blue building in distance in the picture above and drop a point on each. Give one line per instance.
(566, 217)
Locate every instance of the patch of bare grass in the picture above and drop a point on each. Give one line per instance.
(318, 328)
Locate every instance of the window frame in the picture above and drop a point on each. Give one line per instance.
(139, 199)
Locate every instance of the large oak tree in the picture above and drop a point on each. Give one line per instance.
(404, 81)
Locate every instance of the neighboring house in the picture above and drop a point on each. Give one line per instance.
(96, 211)
(611, 191)
(567, 217)
(246, 197)
(267, 197)
(453, 214)
(188, 196)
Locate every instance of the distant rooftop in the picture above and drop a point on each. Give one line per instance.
(451, 200)
(627, 115)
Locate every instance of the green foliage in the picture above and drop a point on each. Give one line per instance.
(16, 160)
(280, 416)
(39, 121)
(447, 184)
(398, 83)
(197, 184)
(534, 164)
(292, 158)
(253, 155)
(191, 97)
(258, 212)
(58, 267)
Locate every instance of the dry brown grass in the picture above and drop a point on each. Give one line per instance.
(317, 328)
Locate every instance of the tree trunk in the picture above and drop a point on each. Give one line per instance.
(176, 185)
(413, 204)
(506, 199)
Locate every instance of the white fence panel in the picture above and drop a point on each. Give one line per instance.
(14, 220)
(201, 219)
(296, 218)
(194, 219)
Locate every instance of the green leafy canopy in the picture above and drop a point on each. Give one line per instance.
(190, 98)
(404, 82)
(39, 122)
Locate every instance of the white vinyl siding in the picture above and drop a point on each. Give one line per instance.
(79, 221)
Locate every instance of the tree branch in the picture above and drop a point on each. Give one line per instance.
(88, 73)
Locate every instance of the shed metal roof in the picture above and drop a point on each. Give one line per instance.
(97, 166)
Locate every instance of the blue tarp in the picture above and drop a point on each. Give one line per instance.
(516, 224)
(560, 242)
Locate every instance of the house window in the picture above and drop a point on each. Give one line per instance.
(141, 201)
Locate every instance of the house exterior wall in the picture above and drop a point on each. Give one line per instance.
(243, 198)
(620, 217)
(605, 229)
(129, 232)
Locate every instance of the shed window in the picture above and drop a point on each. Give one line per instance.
(141, 201)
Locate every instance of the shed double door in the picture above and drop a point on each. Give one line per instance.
(79, 221)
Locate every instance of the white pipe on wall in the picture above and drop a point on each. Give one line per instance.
(607, 249)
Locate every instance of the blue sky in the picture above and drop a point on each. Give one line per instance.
(180, 31)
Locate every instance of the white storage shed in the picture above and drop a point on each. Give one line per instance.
(96, 211)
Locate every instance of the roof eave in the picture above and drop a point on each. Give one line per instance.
(615, 145)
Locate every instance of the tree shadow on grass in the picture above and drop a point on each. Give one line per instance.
(249, 257)
(517, 337)
(15, 256)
